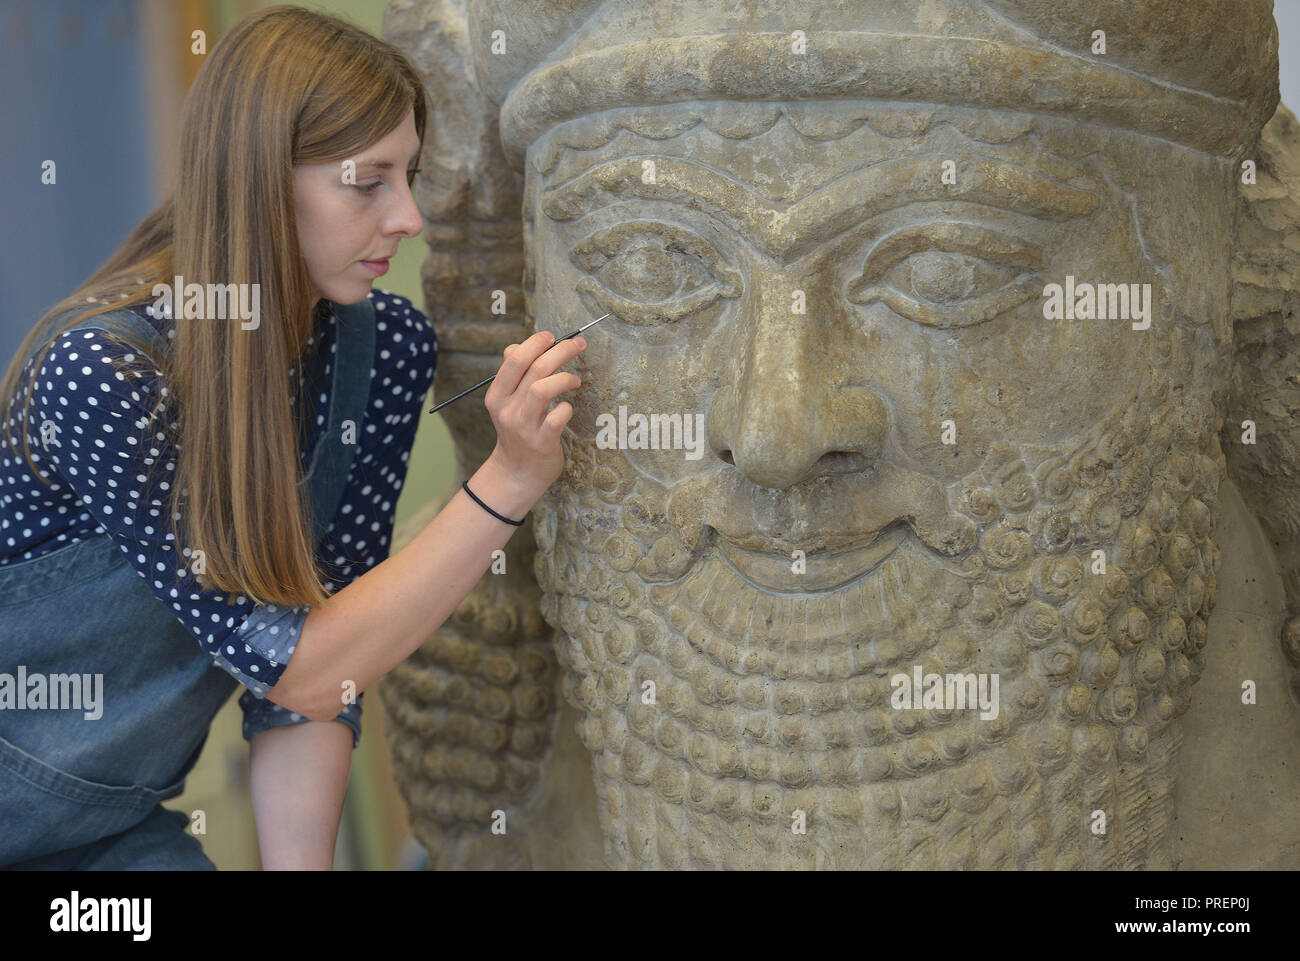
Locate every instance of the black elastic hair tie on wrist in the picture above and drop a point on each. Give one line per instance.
(465, 484)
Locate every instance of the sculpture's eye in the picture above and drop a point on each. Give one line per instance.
(949, 274)
(649, 272)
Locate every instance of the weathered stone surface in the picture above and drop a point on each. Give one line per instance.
(839, 257)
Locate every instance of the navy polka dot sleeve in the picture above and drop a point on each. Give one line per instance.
(105, 445)
(406, 350)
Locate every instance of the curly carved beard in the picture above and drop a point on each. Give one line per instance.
(768, 704)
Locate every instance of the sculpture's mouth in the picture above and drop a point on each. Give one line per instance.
(818, 571)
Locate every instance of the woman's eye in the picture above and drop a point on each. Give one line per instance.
(949, 274)
(651, 272)
(370, 188)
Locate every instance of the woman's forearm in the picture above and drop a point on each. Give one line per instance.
(298, 777)
(377, 621)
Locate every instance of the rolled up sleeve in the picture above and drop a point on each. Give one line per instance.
(269, 635)
(258, 651)
(262, 715)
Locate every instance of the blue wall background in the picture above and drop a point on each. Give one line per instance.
(73, 76)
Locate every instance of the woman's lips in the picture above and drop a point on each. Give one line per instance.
(824, 570)
(376, 267)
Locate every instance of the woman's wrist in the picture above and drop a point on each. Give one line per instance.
(503, 492)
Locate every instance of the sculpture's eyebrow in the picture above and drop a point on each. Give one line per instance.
(786, 232)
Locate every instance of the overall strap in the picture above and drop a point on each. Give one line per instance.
(115, 320)
(354, 356)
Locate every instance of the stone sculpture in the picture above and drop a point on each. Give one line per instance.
(971, 302)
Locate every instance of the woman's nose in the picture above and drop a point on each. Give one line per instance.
(406, 219)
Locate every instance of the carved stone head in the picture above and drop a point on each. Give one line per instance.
(932, 306)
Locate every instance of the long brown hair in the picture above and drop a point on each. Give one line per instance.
(284, 86)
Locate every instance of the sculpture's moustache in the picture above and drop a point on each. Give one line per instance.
(828, 513)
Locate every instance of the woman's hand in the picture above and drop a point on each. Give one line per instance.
(528, 446)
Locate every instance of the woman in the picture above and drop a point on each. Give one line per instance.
(274, 430)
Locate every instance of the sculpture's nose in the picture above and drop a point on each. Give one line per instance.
(782, 418)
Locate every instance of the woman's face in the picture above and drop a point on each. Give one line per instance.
(351, 219)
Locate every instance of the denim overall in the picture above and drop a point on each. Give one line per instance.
(81, 793)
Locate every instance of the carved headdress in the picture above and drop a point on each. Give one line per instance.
(1189, 72)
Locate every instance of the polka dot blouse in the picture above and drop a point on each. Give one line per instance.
(97, 463)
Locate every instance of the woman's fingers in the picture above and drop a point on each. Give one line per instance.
(550, 361)
(539, 396)
(528, 436)
(526, 363)
(555, 421)
(518, 358)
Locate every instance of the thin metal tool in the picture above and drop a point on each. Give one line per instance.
(493, 377)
